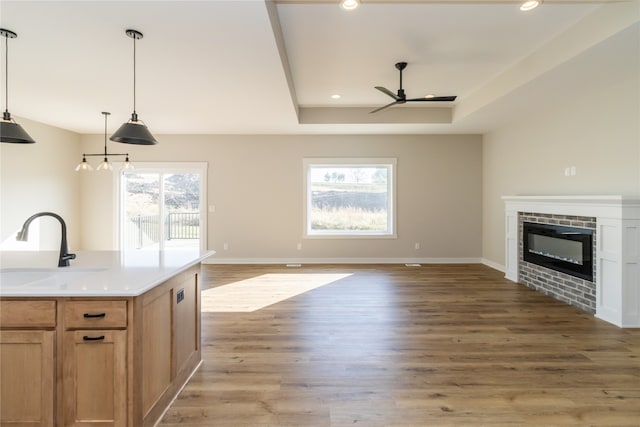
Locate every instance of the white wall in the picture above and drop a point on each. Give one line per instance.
(40, 177)
(255, 183)
(597, 131)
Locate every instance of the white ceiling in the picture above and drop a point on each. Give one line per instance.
(246, 67)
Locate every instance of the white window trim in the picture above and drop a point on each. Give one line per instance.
(161, 167)
(349, 161)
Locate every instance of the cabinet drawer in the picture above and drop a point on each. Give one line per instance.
(95, 314)
(27, 314)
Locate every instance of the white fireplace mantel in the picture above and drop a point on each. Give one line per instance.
(617, 247)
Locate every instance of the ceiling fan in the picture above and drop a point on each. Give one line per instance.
(401, 97)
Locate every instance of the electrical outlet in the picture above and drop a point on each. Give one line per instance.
(417, 246)
(179, 296)
(299, 246)
(225, 246)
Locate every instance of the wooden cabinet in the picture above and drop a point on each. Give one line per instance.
(27, 363)
(156, 347)
(27, 372)
(169, 342)
(93, 361)
(95, 378)
(103, 314)
(28, 314)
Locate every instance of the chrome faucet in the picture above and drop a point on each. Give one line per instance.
(65, 256)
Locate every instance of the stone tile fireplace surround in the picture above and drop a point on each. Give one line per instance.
(614, 294)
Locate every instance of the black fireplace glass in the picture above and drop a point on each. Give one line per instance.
(560, 248)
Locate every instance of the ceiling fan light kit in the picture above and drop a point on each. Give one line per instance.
(10, 131)
(401, 97)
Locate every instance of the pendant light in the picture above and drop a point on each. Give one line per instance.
(10, 131)
(106, 164)
(83, 165)
(134, 131)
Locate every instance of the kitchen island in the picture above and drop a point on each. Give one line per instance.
(110, 340)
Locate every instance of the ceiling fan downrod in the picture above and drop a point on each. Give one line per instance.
(401, 66)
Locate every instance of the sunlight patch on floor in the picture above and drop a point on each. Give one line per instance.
(261, 291)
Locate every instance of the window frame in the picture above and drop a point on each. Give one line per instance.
(389, 162)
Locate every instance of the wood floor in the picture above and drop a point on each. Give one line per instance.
(437, 345)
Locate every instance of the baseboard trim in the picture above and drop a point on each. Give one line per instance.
(493, 265)
(356, 260)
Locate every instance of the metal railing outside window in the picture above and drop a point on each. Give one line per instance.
(144, 230)
(183, 225)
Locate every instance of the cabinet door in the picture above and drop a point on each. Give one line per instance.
(187, 322)
(95, 378)
(27, 371)
(157, 347)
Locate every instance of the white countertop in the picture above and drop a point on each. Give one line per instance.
(92, 273)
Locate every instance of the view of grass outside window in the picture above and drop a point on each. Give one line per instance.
(349, 199)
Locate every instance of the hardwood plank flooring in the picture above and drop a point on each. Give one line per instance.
(396, 346)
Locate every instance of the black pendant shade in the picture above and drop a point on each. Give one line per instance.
(12, 132)
(134, 132)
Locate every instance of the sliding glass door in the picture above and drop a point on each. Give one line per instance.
(162, 206)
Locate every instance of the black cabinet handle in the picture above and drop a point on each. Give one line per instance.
(88, 338)
(92, 316)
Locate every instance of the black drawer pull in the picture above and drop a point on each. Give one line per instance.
(88, 338)
(92, 316)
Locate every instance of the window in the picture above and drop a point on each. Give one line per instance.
(349, 197)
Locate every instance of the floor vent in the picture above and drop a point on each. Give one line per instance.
(413, 265)
(294, 265)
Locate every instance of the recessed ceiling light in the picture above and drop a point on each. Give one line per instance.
(350, 4)
(430, 96)
(530, 5)
(335, 96)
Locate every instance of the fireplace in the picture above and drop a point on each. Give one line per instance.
(560, 248)
(613, 293)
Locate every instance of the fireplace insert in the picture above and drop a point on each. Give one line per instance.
(565, 249)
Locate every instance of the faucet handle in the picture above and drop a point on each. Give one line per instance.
(64, 259)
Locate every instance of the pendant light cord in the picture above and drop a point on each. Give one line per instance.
(105, 134)
(6, 76)
(134, 74)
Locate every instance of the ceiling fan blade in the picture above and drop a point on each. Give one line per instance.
(386, 106)
(388, 92)
(434, 99)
